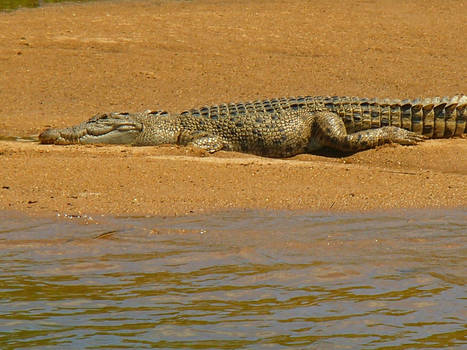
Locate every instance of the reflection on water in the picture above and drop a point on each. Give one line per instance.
(14, 4)
(243, 279)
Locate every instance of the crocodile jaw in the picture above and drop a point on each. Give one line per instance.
(106, 129)
(112, 137)
(61, 137)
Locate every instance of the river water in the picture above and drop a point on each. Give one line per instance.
(231, 280)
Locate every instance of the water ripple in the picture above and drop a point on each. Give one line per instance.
(245, 279)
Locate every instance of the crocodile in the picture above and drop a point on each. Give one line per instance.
(281, 127)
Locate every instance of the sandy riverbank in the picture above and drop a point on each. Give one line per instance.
(60, 64)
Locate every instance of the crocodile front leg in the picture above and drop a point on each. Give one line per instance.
(329, 131)
(203, 140)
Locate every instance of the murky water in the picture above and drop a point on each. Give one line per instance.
(249, 280)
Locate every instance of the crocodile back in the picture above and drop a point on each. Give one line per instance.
(433, 117)
(275, 106)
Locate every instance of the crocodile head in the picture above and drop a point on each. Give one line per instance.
(114, 128)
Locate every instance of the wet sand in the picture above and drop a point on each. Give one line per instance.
(61, 64)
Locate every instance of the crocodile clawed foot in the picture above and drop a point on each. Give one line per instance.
(411, 138)
(405, 137)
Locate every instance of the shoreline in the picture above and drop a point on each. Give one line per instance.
(172, 180)
(63, 63)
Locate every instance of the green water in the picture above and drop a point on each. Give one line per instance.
(235, 280)
(6, 5)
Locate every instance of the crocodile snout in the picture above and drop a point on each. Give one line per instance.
(49, 136)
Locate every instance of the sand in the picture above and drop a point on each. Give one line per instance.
(61, 64)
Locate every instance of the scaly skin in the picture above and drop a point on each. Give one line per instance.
(278, 127)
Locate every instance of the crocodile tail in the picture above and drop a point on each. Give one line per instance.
(433, 117)
(440, 117)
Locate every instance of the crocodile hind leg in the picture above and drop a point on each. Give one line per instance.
(329, 131)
